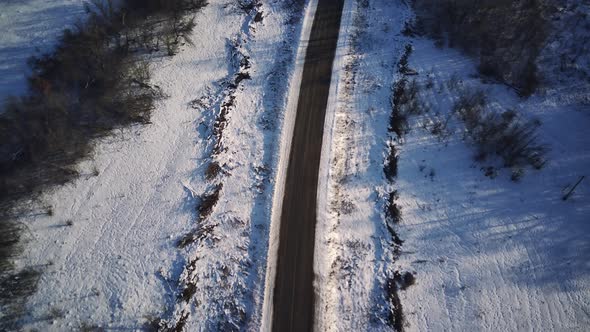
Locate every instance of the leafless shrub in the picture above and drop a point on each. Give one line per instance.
(409, 29)
(9, 244)
(392, 211)
(189, 291)
(152, 323)
(405, 103)
(454, 82)
(470, 107)
(196, 235)
(390, 167)
(516, 174)
(514, 140)
(246, 5)
(179, 326)
(398, 122)
(403, 65)
(15, 287)
(212, 170)
(429, 81)
(258, 18)
(404, 280)
(208, 202)
(395, 318)
(437, 127)
(507, 51)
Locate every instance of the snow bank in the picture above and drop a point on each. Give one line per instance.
(226, 268)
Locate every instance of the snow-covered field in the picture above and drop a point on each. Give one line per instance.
(490, 253)
(109, 247)
(487, 253)
(27, 27)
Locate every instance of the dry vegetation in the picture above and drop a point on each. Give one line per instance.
(505, 135)
(506, 36)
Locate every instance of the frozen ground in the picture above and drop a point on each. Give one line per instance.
(487, 253)
(108, 248)
(28, 25)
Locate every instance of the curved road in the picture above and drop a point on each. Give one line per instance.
(293, 302)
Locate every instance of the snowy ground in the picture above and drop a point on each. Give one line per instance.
(487, 253)
(108, 249)
(353, 249)
(490, 253)
(28, 26)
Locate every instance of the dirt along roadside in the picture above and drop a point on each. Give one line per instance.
(293, 302)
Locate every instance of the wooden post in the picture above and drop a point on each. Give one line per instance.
(569, 193)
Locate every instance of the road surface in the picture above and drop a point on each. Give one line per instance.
(293, 302)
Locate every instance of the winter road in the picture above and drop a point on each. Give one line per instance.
(293, 308)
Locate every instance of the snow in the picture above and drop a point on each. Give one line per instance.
(487, 253)
(230, 273)
(323, 257)
(490, 253)
(118, 266)
(352, 250)
(28, 26)
(114, 265)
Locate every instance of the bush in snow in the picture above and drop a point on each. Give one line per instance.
(404, 280)
(392, 210)
(514, 140)
(208, 202)
(405, 102)
(212, 170)
(390, 167)
(93, 82)
(506, 36)
(396, 317)
(403, 62)
(15, 287)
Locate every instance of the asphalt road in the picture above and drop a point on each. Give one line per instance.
(294, 294)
